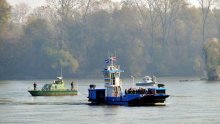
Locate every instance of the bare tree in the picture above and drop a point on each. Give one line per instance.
(205, 7)
(46, 12)
(163, 11)
(66, 9)
(19, 12)
(216, 13)
(167, 11)
(87, 8)
(148, 5)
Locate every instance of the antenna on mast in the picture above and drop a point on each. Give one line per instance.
(115, 53)
(108, 53)
(61, 71)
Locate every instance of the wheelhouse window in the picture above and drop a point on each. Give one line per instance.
(160, 91)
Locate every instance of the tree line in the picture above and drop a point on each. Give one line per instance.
(149, 37)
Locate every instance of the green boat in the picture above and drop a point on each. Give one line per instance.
(57, 88)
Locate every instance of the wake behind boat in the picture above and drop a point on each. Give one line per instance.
(112, 93)
(57, 88)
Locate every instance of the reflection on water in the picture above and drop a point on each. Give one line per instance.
(193, 101)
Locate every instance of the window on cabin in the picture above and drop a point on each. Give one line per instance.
(113, 78)
(160, 91)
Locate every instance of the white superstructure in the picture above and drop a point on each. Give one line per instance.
(112, 78)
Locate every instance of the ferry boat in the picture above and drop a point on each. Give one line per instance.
(112, 94)
(147, 81)
(57, 88)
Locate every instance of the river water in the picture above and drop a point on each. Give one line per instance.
(193, 101)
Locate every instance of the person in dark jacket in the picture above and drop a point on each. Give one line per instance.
(72, 85)
(35, 86)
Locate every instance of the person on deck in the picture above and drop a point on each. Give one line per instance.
(72, 85)
(35, 86)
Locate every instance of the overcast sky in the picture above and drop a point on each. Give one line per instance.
(36, 3)
(32, 3)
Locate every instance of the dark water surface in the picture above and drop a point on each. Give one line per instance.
(190, 102)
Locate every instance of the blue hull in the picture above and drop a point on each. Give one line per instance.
(97, 96)
(137, 100)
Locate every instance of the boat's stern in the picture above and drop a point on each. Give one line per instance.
(155, 95)
(34, 92)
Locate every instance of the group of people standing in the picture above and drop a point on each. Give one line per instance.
(139, 91)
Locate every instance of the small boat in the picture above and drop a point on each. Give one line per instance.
(113, 94)
(57, 88)
(147, 81)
